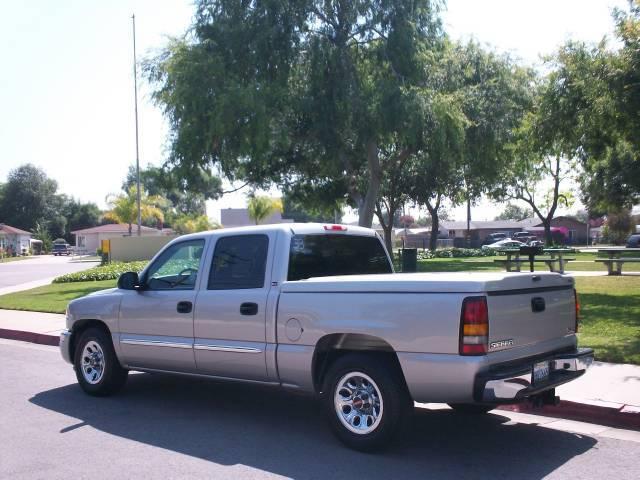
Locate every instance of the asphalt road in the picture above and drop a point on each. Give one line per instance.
(38, 268)
(171, 427)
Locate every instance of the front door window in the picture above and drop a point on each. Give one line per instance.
(177, 268)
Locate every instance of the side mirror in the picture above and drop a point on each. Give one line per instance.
(129, 281)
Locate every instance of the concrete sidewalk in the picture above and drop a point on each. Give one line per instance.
(35, 327)
(608, 393)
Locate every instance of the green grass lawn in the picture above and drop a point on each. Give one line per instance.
(13, 259)
(610, 323)
(51, 298)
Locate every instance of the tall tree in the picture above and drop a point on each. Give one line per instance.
(313, 89)
(184, 198)
(29, 198)
(261, 207)
(184, 224)
(514, 212)
(544, 156)
(600, 87)
(123, 207)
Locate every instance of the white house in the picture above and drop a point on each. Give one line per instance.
(90, 239)
(13, 240)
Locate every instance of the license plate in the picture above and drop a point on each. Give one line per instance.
(540, 372)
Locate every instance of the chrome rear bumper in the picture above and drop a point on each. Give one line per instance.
(513, 382)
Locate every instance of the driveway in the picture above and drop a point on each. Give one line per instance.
(39, 269)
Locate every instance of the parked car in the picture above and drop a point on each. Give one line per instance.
(522, 235)
(494, 237)
(61, 249)
(535, 243)
(633, 241)
(506, 243)
(317, 309)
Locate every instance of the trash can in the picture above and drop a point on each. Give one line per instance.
(409, 259)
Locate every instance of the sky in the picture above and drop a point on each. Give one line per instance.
(66, 81)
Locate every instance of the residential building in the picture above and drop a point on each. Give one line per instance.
(14, 241)
(576, 231)
(90, 239)
(479, 230)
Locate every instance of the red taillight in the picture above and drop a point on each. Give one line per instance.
(577, 303)
(336, 228)
(474, 326)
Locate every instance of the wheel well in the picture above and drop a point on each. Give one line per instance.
(331, 347)
(82, 325)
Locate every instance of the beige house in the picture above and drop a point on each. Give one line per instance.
(90, 239)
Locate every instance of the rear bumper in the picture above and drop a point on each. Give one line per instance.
(65, 345)
(512, 382)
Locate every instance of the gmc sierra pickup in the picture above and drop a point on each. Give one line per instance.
(317, 308)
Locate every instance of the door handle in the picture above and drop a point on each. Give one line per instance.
(184, 307)
(249, 308)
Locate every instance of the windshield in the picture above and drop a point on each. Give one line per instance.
(322, 255)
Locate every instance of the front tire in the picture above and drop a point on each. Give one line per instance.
(366, 401)
(97, 368)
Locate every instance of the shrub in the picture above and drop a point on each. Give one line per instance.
(456, 253)
(104, 272)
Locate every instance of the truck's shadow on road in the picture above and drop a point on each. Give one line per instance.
(287, 435)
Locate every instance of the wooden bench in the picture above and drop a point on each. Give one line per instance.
(609, 262)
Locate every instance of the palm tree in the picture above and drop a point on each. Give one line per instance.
(193, 223)
(261, 207)
(123, 207)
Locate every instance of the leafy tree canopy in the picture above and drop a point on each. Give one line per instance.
(316, 89)
(514, 212)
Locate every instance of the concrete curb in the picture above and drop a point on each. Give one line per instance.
(611, 415)
(617, 415)
(31, 337)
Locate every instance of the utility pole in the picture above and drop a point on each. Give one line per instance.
(135, 94)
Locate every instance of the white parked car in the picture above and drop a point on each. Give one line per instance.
(506, 243)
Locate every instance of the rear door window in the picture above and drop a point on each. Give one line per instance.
(239, 262)
(320, 255)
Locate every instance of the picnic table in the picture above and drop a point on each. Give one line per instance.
(557, 256)
(615, 260)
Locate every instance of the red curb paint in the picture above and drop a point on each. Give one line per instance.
(31, 337)
(582, 412)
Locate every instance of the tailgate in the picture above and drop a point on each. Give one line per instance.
(529, 309)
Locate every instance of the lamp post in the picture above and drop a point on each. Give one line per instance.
(135, 94)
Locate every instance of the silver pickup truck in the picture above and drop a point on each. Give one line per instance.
(318, 309)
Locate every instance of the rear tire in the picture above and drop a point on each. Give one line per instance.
(98, 370)
(472, 408)
(366, 401)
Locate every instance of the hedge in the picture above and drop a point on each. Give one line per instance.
(110, 271)
(456, 253)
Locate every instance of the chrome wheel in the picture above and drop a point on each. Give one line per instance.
(92, 362)
(358, 403)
